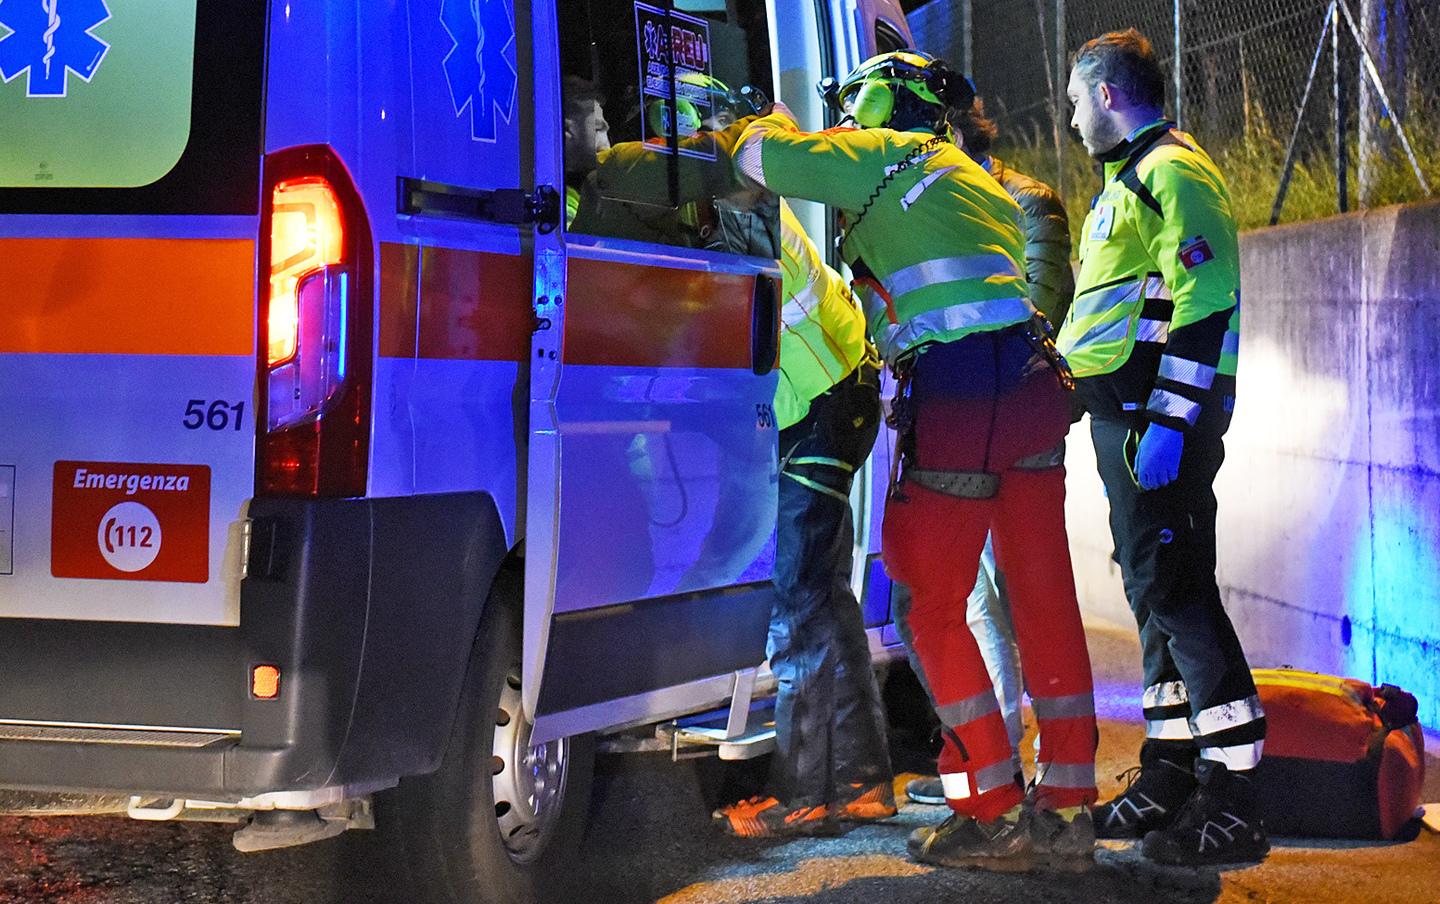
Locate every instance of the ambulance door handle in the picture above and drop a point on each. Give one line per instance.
(764, 325)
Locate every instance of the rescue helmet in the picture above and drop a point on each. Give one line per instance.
(703, 101)
(902, 90)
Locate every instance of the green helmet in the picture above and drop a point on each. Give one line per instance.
(901, 90)
(696, 93)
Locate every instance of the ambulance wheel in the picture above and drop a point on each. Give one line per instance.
(500, 820)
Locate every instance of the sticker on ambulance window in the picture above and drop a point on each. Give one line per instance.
(130, 521)
(93, 93)
(667, 40)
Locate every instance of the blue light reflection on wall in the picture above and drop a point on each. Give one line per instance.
(1393, 595)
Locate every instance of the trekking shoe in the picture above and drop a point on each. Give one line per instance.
(1219, 824)
(1152, 797)
(766, 817)
(866, 803)
(927, 790)
(1061, 839)
(1001, 845)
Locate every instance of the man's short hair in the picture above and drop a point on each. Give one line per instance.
(976, 129)
(579, 93)
(1126, 60)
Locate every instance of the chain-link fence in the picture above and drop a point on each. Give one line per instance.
(1309, 106)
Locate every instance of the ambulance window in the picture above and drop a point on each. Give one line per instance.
(644, 167)
(888, 39)
(131, 108)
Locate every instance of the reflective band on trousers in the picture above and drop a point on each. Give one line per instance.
(895, 338)
(1168, 729)
(950, 269)
(963, 712)
(1072, 707)
(1227, 716)
(1065, 775)
(1239, 757)
(1166, 693)
(1183, 370)
(1163, 401)
(958, 786)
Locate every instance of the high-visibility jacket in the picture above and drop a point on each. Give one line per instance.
(940, 235)
(1155, 327)
(1047, 240)
(627, 195)
(822, 333)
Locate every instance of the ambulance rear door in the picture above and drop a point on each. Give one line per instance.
(652, 460)
(129, 184)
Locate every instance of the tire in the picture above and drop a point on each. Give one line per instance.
(490, 826)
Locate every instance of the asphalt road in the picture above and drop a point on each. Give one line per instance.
(650, 840)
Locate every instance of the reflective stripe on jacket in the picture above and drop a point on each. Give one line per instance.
(1154, 329)
(822, 333)
(940, 234)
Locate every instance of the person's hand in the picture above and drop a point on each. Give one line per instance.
(1157, 460)
(780, 108)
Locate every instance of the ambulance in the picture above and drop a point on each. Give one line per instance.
(344, 481)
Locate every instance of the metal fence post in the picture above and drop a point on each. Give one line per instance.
(967, 39)
(1342, 190)
(1060, 101)
(1179, 68)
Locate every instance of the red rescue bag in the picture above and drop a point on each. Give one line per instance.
(1342, 759)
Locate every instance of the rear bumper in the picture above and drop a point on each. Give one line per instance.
(368, 607)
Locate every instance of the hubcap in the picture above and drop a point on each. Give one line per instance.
(528, 781)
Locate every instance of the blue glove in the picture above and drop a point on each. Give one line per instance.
(1157, 460)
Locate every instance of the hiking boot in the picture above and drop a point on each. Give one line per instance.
(766, 817)
(927, 790)
(1152, 797)
(865, 803)
(1219, 824)
(1061, 839)
(1001, 845)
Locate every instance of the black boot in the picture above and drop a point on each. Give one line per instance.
(1155, 794)
(1219, 824)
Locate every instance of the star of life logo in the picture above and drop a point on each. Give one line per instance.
(480, 67)
(47, 40)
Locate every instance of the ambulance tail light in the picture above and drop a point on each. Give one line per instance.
(317, 298)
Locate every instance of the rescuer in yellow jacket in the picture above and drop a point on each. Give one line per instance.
(937, 244)
(1152, 339)
(832, 762)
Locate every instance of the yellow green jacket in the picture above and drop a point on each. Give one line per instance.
(939, 234)
(822, 332)
(1154, 331)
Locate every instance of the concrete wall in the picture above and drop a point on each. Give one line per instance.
(1329, 527)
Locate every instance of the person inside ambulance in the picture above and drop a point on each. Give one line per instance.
(634, 194)
(938, 250)
(587, 136)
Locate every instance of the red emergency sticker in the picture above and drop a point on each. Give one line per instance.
(130, 521)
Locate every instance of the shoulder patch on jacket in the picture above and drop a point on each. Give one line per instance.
(1195, 252)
